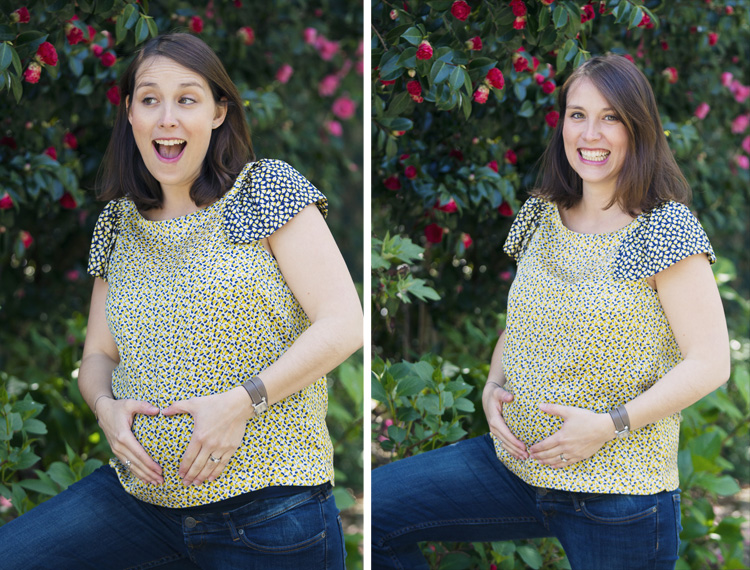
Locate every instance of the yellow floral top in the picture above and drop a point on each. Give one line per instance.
(198, 306)
(585, 329)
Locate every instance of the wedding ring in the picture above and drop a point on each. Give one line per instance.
(562, 458)
(214, 459)
(127, 465)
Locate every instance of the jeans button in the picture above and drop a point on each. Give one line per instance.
(190, 522)
(541, 490)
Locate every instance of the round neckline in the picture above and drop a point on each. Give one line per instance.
(559, 221)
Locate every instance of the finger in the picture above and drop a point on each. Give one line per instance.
(512, 444)
(219, 467)
(142, 466)
(554, 410)
(209, 468)
(141, 407)
(179, 407)
(188, 467)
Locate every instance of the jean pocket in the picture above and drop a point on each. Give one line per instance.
(300, 527)
(619, 509)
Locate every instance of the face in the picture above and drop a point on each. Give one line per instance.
(172, 114)
(596, 142)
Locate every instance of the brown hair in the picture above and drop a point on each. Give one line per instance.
(123, 172)
(650, 175)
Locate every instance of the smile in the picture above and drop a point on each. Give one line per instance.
(169, 150)
(594, 156)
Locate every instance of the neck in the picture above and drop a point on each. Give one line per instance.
(177, 203)
(591, 214)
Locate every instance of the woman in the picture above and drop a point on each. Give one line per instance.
(614, 325)
(220, 302)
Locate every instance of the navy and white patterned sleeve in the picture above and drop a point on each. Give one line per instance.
(669, 234)
(103, 240)
(270, 194)
(523, 227)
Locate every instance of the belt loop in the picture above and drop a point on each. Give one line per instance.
(576, 502)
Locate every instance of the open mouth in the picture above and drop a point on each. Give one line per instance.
(594, 155)
(169, 148)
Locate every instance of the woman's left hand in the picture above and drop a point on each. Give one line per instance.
(583, 434)
(219, 426)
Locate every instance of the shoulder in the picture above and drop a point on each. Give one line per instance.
(526, 222)
(105, 234)
(267, 194)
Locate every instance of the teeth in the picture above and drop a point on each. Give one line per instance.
(596, 156)
(169, 142)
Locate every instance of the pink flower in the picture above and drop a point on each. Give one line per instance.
(392, 183)
(247, 35)
(51, 152)
(519, 23)
(334, 127)
(424, 51)
(73, 33)
(410, 172)
(326, 48)
(72, 275)
(108, 59)
(474, 43)
(746, 145)
(97, 50)
(505, 209)
(47, 54)
(69, 141)
(510, 157)
(92, 33)
(629, 57)
(670, 72)
(481, 94)
(552, 117)
(359, 67)
(33, 73)
(548, 87)
(518, 7)
(68, 202)
(310, 35)
(495, 77)
(740, 124)
(460, 10)
(344, 107)
(20, 16)
(196, 24)
(702, 110)
(646, 22)
(713, 37)
(466, 240)
(493, 165)
(25, 238)
(449, 207)
(393, 14)
(284, 74)
(434, 233)
(602, 7)
(743, 162)
(726, 79)
(588, 13)
(539, 78)
(328, 85)
(113, 94)
(520, 64)
(6, 202)
(739, 91)
(729, 10)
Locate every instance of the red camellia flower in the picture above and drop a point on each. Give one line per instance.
(457, 154)
(70, 141)
(495, 77)
(392, 183)
(671, 74)
(20, 16)
(519, 23)
(33, 73)
(47, 54)
(434, 233)
(449, 207)
(9, 142)
(284, 73)
(481, 94)
(414, 87)
(646, 22)
(424, 51)
(247, 35)
(520, 64)
(505, 209)
(97, 50)
(113, 94)
(518, 7)
(713, 37)
(629, 57)
(196, 24)
(493, 165)
(588, 13)
(26, 238)
(460, 10)
(510, 157)
(108, 59)
(68, 202)
(474, 43)
(310, 35)
(702, 110)
(51, 152)
(344, 107)
(548, 87)
(334, 127)
(729, 10)
(552, 117)
(466, 240)
(92, 33)
(547, 2)
(6, 202)
(73, 33)
(602, 7)
(410, 172)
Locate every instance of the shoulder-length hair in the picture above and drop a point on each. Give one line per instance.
(123, 172)
(650, 175)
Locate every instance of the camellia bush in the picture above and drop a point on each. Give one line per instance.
(463, 103)
(298, 67)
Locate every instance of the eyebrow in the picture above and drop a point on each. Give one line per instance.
(182, 85)
(582, 109)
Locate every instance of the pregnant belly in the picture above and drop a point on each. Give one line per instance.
(524, 418)
(164, 438)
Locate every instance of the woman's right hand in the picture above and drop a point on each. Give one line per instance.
(116, 421)
(493, 398)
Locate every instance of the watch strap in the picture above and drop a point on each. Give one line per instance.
(258, 395)
(621, 420)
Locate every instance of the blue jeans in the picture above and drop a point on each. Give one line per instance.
(95, 524)
(464, 493)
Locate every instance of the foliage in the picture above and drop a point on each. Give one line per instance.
(455, 152)
(298, 67)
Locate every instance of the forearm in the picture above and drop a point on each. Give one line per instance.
(95, 378)
(496, 373)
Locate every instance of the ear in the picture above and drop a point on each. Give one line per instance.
(220, 114)
(127, 108)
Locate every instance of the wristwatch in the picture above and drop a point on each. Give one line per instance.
(257, 392)
(622, 422)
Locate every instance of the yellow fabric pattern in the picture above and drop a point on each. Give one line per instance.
(198, 306)
(584, 329)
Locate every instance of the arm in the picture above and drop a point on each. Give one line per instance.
(691, 302)
(317, 275)
(493, 398)
(100, 356)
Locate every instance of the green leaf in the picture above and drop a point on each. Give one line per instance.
(410, 386)
(635, 17)
(397, 434)
(456, 78)
(464, 405)
(141, 30)
(519, 89)
(85, 86)
(377, 390)
(25, 460)
(454, 433)
(741, 379)
(46, 487)
(530, 556)
(7, 34)
(560, 17)
(413, 36)
(527, 109)
(544, 17)
(120, 30)
(61, 474)
(153, 30)
(35, 426)
(16, 61)
(6, 56)
(456, 561)
(131, 15)
(723, 486)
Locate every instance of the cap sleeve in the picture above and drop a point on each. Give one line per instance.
(103, 240)
(665, 236)
(269, 194)
(523, 227)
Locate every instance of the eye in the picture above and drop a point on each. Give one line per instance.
(576, 115)
(148, 100)
(612, 118)
(187, 100)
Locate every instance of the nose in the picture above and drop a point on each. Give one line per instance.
(592, 131)
(167, 117)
